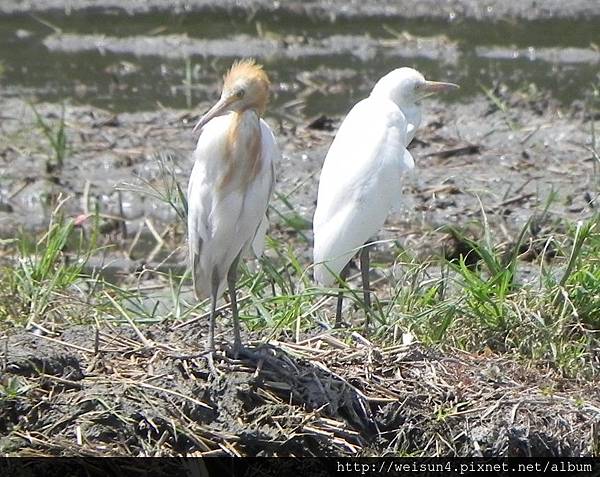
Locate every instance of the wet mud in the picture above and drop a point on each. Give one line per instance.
(102, 392)
(516, 142)
(318, 8)
(513, 161)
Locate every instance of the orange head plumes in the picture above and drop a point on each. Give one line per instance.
(246, 85)
(248, 82)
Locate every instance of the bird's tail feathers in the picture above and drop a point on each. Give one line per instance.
(323, 275)
(327, 273)
(258, 242)
(202, 283)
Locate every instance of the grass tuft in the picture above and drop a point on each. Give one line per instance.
(57, 138)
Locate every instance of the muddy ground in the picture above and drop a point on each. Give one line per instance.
(116, 395)
(512, 162)
(355, 8)
(112, 391)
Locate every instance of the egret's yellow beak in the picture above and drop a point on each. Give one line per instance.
(432, 87)
(220, 108)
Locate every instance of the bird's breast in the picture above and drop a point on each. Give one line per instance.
(243, 151)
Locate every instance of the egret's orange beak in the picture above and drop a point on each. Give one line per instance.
(432, 87)
(218, 109)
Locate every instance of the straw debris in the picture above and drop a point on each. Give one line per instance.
(95, 394)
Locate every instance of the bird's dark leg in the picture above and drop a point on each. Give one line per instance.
(364, 271)
(231, 279)
(340, 297)
(211, 331)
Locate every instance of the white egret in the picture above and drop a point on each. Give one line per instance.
(362, 173)
(229, 188)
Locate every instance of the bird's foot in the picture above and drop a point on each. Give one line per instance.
(237, 347)
(367, 326)
(340, 324)
(237, 351)
(210, 361)
(244, 352)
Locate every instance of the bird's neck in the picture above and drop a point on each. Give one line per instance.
(244, 128)
(412, 113)
(410, 109)
(243, 148)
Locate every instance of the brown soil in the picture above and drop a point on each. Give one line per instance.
(355, 8)
(114, 392)
(512, 161)
(81, 391)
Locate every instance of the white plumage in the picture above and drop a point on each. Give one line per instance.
(224, 221)
(359, 183)
(229, 188)
(362, 173)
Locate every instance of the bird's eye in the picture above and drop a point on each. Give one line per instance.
(240, 94)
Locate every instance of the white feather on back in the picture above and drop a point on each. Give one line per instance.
(359, 183)
(223, 221)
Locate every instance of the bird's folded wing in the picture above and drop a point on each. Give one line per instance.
(360, 182)
(271, 155)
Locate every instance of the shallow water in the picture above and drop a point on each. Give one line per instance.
(340, 58)
(142, 62)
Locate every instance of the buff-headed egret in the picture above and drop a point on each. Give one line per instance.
(362, 175)
(229, 188)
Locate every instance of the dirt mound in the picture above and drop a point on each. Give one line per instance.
(120, 392)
